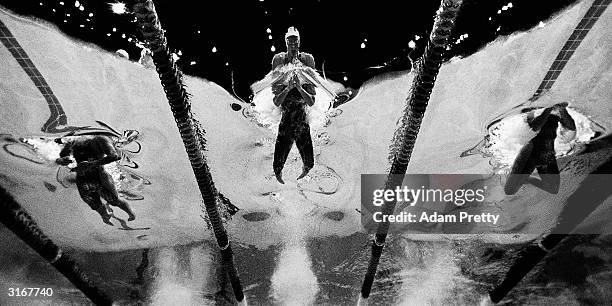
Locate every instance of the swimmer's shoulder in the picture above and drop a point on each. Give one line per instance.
(278, 59)
(307, 59)
(280, 55)
(306, 55)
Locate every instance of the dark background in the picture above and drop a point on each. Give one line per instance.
(332, 30)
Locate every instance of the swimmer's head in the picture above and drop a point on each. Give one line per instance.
(559, 108)
(292, 38)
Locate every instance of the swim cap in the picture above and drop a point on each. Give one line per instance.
(292, 31)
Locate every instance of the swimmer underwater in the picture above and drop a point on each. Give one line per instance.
(93, 182)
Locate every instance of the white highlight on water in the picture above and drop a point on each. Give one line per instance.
(168, 289)
(434, 283)
(118, 8)
(175, 287)
(293, 281)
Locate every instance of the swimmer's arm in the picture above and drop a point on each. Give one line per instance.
(64, 158)
(565, 119)
(277, 60)
(568, 123)
(309, 98)
(280, 96)
(66, 150)
(538, 122)
(110, 155)
(98, 162)
(310, 62)
(110, 151)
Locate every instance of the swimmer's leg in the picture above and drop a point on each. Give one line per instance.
(550, 180)
(523, 166)
(284, 141)
(89, 193)
(109, 193)
(304, 145)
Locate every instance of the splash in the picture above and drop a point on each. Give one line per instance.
(508, 136)
(45, 147)
(268, 114)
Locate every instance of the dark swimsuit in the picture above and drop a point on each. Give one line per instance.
(93, 182)
(293, 127)
(538, 153)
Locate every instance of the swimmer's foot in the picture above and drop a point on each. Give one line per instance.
(279, 177)
(126, 208)
(131, 215)
(304, 173)
(105, 215)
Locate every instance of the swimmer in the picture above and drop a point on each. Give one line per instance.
(539, 152)
(93, 182)
(293, 98)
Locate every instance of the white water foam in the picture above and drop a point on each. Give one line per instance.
(268, 114)
(508, 136)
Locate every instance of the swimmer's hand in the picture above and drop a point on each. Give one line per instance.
(294, 81)
(280, 94)
(307, 93)
(64, 161)
(278, 87)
